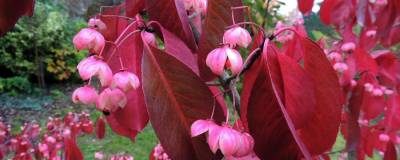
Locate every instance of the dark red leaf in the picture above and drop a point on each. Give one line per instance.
(114, 25)
(299, 91)
(12, 10)
(133, 117)
(100, 128)
(133, 7)
(337, 12)
(177, 48)
(119, 129)
(172, 16)
(305, 6)
(266, 117)
(320, 134)
(175, 98)
(218, 17)
(364, 62)
(390, 153)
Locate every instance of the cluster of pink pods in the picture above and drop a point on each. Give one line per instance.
(113, 96)
(231, 142)
(159, 153)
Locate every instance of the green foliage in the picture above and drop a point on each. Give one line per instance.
(14, 85)
(44, 38)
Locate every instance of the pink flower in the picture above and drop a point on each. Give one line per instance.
(99, 155)
(347, 47)
(92, 66)
(90, 39)
(237, 36)
(97, 24)
(368, 87)
(200, 127)
(86, 95)
(149, 38)
(218, 58)
(340, 67)
(110, 99)
(228, 140)
(384, 137)
(245, 146)
(125, 81)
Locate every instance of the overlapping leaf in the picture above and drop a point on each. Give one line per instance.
(12, 10)
(305, 6)
(175, 98)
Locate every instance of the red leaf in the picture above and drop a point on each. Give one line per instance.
(12, 10)
(114, 25)
(100, 128)
(175, 98)
(390, 153)
(119, 129)
(133, 7)
(133, 117)
(305, 6)
(177, 48)
(320, 134)
(299, 91)
(72, 151)
(172, 16)
(364, 62)
(337, 12)
(218, 17)
(266, 117)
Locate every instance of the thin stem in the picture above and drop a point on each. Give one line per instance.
(126, 30)
(119, 16)
(247, 8)
(285, 29)
(260, 29)
(120, 62)
(266, 12)
(120, 43)
(213, 110)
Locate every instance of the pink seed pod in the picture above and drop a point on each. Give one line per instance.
(381, 2)
(150, 38)
(200, 6)
(229, 141)
(245, 146)
(353, 83)
(188, 4)
(97, 24)
(348, 47)
(377, 92)
(125, 81)
(200, 126)
(368, 87)
(388, 91)
(218, 58)
(336, 56)
(89, 39)
(370, 33)
(384, 137)
(237, 36)
(363, 122)
(110, 99)
(98, 155)
(92, 66)
(86, 95)
(340, 67)
(214, 133)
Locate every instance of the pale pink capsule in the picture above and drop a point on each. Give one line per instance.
(99, 155)
(245, 146)
(353, 83)
(200, 127)
(384, 137)
(213, 137)
(340, 67)
(388, 91)
(97, 24)
(368, 87)
(86, 95)
(348, 47)
(110, 99)
(336, 56)
(229, 141)
(89, 39)
(125, 81)
(381, 2)
(218, 58)
(200, 6)
(370, 33)
(237, 36)
(377, 92)
(91, 66)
